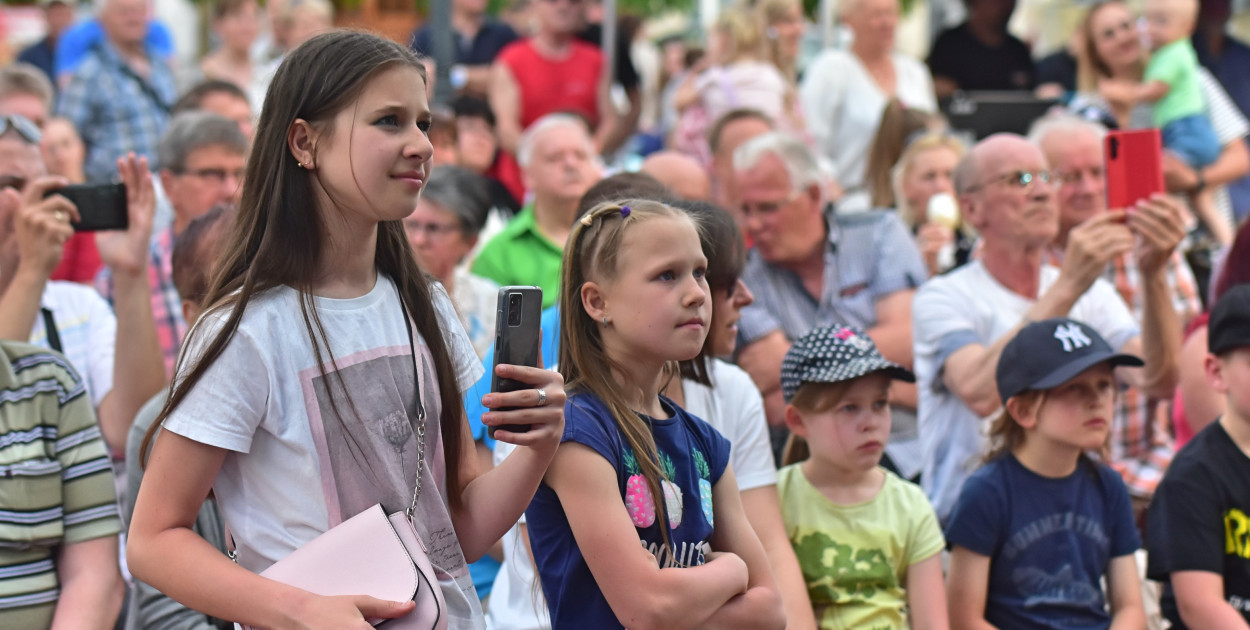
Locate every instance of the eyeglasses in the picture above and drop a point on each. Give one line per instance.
(432, 229)
(29, 131)
(215, 175)
(1016, 179)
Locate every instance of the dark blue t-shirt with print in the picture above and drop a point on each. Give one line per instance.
(693, 456)
(1050, 541)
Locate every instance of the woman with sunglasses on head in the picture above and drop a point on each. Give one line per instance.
(553, 71)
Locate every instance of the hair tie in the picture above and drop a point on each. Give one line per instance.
(588, 219)
(624, 211)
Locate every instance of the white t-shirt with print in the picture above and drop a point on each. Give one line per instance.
(732, 406)
(296, 467)
(970, 306)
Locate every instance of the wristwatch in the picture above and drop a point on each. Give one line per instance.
(1202, 182)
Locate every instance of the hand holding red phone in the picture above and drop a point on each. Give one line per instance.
(1159, 225)
(1133, 165)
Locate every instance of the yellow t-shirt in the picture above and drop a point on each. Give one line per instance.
(854, 558)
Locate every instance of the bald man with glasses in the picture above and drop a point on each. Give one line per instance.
(963, 319)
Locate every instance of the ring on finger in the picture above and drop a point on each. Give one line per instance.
(542, 397)
(60, 215)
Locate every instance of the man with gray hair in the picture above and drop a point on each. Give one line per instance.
(1006, 193)
(1142, 449)
(558, 164)
(201, 166)
(810, 266)
(25, 91)
(120, 94)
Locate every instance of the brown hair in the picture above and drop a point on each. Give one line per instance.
(812, 398)
(1089, 66)
(276, 241)
(928, 142)
(226, 8)
(732, 116)
(898, 123)
(592, 254)
(726, 258)
(23, 78)
(1005, 432)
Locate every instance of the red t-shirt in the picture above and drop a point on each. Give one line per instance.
(570, 84)
(80, 260)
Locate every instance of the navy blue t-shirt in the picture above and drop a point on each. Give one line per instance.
(480, 51)
(1050, 541)
(693, 456)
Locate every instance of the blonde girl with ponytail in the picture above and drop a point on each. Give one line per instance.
(638, 522)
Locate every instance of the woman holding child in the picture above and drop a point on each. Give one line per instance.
(1110, 76)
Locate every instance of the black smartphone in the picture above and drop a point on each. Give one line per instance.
(517, 335)
(100, 206)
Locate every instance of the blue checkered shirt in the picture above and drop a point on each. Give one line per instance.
(868, 255)
(116, 110)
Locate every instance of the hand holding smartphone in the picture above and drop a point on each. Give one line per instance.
(1133, 166)
(517, 340)
(102, 206)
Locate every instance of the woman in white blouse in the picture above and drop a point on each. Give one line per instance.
(844, 92)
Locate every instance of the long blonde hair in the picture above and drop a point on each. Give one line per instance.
(927, 142)
(770, 12)
(745, 35)
(593, 254)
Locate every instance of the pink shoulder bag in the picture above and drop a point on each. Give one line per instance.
(372, 553)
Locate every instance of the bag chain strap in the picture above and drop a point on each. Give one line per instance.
(416, 371)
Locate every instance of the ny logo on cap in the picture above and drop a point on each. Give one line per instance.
(1072, 337)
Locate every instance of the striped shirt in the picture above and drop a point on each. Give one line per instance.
(56, 483)
(88, 330)
(868, 256)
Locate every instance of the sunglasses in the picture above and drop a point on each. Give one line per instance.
(28, 130)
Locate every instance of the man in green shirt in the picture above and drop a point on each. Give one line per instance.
(558, 164)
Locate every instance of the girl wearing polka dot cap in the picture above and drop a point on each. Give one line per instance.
(868, 542)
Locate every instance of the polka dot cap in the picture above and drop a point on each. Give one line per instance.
(832, 355)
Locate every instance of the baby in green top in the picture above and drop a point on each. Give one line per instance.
(1171, 82)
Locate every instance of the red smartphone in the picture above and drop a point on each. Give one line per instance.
(1134, 166)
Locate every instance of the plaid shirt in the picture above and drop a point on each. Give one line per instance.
(1141, 440)
(166, 304)
(116, 110)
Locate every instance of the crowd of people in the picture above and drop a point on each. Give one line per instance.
(810, 357)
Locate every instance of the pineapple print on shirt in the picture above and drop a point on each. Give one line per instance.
(705, 486)
(641, 507)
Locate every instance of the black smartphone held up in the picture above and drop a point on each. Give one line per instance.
(101, 206)
(517, 334)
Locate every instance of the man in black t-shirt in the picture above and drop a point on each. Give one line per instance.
(980, 54)
(1198, 528)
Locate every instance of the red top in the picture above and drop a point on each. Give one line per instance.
(570, 84)
(80, 261)
(508, 172)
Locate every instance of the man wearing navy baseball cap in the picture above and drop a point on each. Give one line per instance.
(1198, 528)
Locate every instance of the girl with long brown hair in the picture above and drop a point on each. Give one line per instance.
(326, 374)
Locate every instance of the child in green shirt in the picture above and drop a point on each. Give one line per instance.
(1171, 83)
